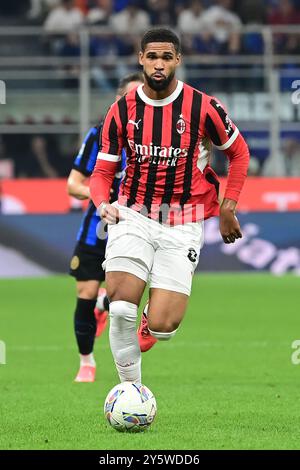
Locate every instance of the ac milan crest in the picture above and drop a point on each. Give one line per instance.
(180, 125)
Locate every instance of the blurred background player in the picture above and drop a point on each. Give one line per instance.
(90, 316)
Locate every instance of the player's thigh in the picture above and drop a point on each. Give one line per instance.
(86, 268)
(87, 289)
(166, 309)
(176, 258)
(124, 286)
(128, 258)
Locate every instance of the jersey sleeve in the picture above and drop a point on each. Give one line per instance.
(87, 155)
(226, 137)
(111, 137)
(218, 126)
(109, 156)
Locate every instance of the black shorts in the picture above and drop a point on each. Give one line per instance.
(86, 264)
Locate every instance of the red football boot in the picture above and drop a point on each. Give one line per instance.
(86, 374)
(146, 340)
(100, 315)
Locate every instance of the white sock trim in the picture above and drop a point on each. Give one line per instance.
(87, 360)
(163, 336)
(145, 311)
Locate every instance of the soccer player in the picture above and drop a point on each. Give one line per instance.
(155, 229)
(90, 250)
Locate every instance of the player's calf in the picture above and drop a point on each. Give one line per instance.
(123, 340)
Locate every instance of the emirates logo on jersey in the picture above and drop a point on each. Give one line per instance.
(180, 125)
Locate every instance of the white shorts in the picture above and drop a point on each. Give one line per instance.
(166, 256)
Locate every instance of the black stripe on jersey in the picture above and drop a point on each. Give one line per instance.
(122, 105)
(171, 170)
(113, 137)
(212, 131)
(82, 167)
(138, 139)
(153, 167)
(194, 130)
(123, 112)
(86, 222)
(213, 180)
(223, 116)
(101, 130)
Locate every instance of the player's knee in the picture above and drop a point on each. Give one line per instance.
(119, 310)
(87, 292)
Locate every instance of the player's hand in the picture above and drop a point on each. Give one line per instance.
(109, 213)
(229, 226)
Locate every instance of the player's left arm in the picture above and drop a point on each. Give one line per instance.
(226, 137)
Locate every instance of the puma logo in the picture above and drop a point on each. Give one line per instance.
(136, 124)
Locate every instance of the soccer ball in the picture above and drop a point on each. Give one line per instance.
(130, 407)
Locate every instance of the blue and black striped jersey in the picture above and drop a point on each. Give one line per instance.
(84, 163)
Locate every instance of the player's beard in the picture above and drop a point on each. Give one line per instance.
(162, 84)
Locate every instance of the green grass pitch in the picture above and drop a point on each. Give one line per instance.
(226, 381)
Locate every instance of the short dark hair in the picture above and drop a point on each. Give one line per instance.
(160, 35)
(131, 77)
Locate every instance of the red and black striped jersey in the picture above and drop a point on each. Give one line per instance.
(167, 144)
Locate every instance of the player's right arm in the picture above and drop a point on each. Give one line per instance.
(109, 156)
(76, 185)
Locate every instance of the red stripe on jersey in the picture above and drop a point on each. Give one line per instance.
(131, 116)
(111, 139)
(238, 154)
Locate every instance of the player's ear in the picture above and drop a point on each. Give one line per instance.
(141, 55)
(178, 59)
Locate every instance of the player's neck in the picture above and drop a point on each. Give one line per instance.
(160, 95)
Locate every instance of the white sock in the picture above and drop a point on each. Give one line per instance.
(123, 340)
(145, 311)
(100, 302)
(87, 360)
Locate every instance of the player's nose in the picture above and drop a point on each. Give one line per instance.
(159, 65)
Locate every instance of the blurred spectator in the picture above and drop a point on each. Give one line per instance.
(100, 13)
(70, 47)
(40, 8)
(83, 5)
(131, 19)
(223, 24)
(284, 13)
(104, 48)
(36, 162)
(63, 18)
(161, 12)
(190, 19)
(291, 150)
(120, 5)
(252, 11)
